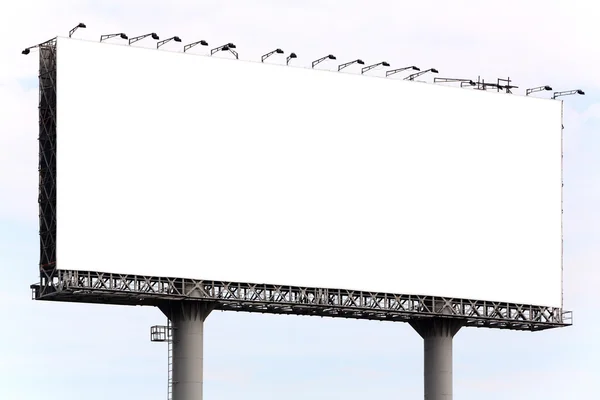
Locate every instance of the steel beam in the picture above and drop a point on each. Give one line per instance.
(122, 289)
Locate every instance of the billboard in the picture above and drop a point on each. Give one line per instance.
(180, 165)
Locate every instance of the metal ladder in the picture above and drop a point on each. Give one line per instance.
(169, 361)
(162, 333)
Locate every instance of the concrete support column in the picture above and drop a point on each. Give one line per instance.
(187, 322)
(437, 334)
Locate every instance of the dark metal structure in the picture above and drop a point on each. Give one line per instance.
(504, 84)
(165, 41)
(47, 155)
(288, 58)
(397, 70)
(269, 54)
(112, 35)
(568, 93)
(347, 64)
(537, 89)
(153, 35)
(370, 67)
(199, 42)
(320, 60)
(463, 82)
(226, 47)
(417, 74)
(481, 84)
(79, 25)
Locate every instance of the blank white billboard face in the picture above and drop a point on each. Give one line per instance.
(179, 165)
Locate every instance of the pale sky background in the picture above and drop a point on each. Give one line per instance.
(72, 352)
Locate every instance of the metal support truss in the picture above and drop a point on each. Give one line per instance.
(344, 65)
(567, 93)
(397, 70)
(164, 333)
(417, 74)
(481, 84)
(463, 82)
(47, 153)
(109, 288)
(507, 86)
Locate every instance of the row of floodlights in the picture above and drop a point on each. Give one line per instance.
(484, 86)
(556, 94)
(231, 48)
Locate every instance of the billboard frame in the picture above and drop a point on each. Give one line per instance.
(123, 289)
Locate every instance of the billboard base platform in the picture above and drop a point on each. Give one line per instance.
(137, 290)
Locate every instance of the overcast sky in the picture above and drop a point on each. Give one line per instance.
(71, 352)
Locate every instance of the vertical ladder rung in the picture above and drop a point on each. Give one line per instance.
(169, 360)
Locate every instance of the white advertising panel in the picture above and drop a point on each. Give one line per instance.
(180, 165)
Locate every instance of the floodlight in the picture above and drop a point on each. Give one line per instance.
(80, 25)
(226, 47)
(370, 67)
(358, 61)
(138, 38)
(174, 38)
(395, 71)
(463, 82)
(269, 54)
(288, 58)
(28, 49)
(320, 60)
(537, 89)
(112, 35)
(417, 74)
(568, 93)
(199, 42)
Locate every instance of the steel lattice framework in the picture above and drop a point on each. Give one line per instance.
(110, 288)
(47, 153)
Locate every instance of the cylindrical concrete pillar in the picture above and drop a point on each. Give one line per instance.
(437, 334)
(187, 322)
